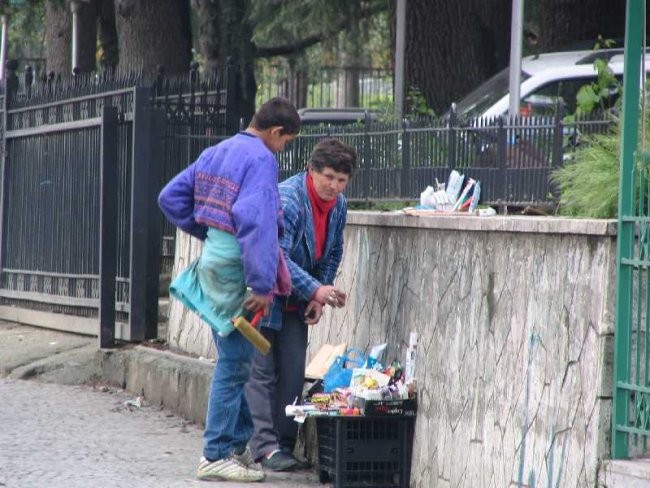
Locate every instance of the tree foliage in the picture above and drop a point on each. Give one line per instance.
(451, 45)
(288, 27)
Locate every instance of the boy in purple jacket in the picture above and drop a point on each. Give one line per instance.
(229, 199)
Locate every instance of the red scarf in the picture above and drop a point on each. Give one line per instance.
(320, 209)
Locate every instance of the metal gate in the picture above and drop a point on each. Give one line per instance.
(83, 162)
(631, 395)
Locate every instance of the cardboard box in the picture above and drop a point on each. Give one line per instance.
(407, 407)
(323, 359)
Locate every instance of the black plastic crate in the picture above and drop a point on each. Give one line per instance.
(365, 451)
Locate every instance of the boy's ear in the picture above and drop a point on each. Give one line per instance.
(276, 130)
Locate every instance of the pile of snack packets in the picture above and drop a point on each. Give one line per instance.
(372, 385)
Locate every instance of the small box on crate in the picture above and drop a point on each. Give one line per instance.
(389, 407)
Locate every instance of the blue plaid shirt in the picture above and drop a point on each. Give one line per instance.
(298, 244)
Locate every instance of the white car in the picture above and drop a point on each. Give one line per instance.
(546, 79)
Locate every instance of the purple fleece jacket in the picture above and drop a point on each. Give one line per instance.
(233, 187)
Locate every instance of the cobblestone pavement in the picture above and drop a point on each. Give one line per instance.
(56, 436)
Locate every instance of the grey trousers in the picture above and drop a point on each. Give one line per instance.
(275, 381)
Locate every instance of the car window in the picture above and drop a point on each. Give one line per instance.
(545, 99)
(335, 117)
(486, 95)
(331, 121)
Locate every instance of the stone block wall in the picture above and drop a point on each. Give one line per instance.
(515, 321)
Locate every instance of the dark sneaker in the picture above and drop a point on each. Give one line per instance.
(299, 464)
(279, 461)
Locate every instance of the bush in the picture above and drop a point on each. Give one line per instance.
(589, 184)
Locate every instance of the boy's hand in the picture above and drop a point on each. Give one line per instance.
(256, 302)
(313, 312)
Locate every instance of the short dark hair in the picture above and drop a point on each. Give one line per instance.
(277, 112)
(335, 154)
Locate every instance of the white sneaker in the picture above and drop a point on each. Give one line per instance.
(227, 469)
(246, 458)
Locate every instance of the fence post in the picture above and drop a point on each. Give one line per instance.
(145, 221)
(232, 117)
(406, 160)
(452, 136)
(558, 136)
(29, 79)
(108, 227)
(11, 81)
(366, 156)
(194, 72)
(502, 154)
(10, 89)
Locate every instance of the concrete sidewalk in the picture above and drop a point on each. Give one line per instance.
(174, 382)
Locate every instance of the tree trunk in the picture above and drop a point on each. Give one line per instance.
(108, 35)
(297, 80)
(348, 78)
(153, 33)
(87, 42)
(225, 36)
(452, 46)
(563, 22)
(58, 32)
(208, 13)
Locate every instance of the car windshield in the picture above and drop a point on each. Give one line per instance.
(486, 95)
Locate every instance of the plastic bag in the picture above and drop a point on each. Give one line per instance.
(426, 197)
(338, 375)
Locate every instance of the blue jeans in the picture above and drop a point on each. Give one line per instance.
(228, 423)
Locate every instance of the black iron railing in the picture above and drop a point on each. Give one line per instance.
(512, 157)
(56, 143)
(326, 86)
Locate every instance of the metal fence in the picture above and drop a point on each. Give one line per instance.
(326, 87)
(512, 157)
(57, 156)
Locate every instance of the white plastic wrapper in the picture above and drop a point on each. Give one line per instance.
(426, 197)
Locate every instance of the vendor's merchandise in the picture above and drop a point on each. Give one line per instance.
(323, 359)
(453, 198)
(351, 390)
(411, 352)
(340, 372)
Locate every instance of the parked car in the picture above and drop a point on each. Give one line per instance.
(546, 79)
(336, 116)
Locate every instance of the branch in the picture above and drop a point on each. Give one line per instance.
(299, 45)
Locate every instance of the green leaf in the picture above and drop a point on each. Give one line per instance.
(600, 64)
(587, 98)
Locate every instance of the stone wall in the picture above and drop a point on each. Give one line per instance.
(515, 321)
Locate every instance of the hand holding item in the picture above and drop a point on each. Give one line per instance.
(340, 297)
(313, 312)
(256, 302)
(328, 295)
